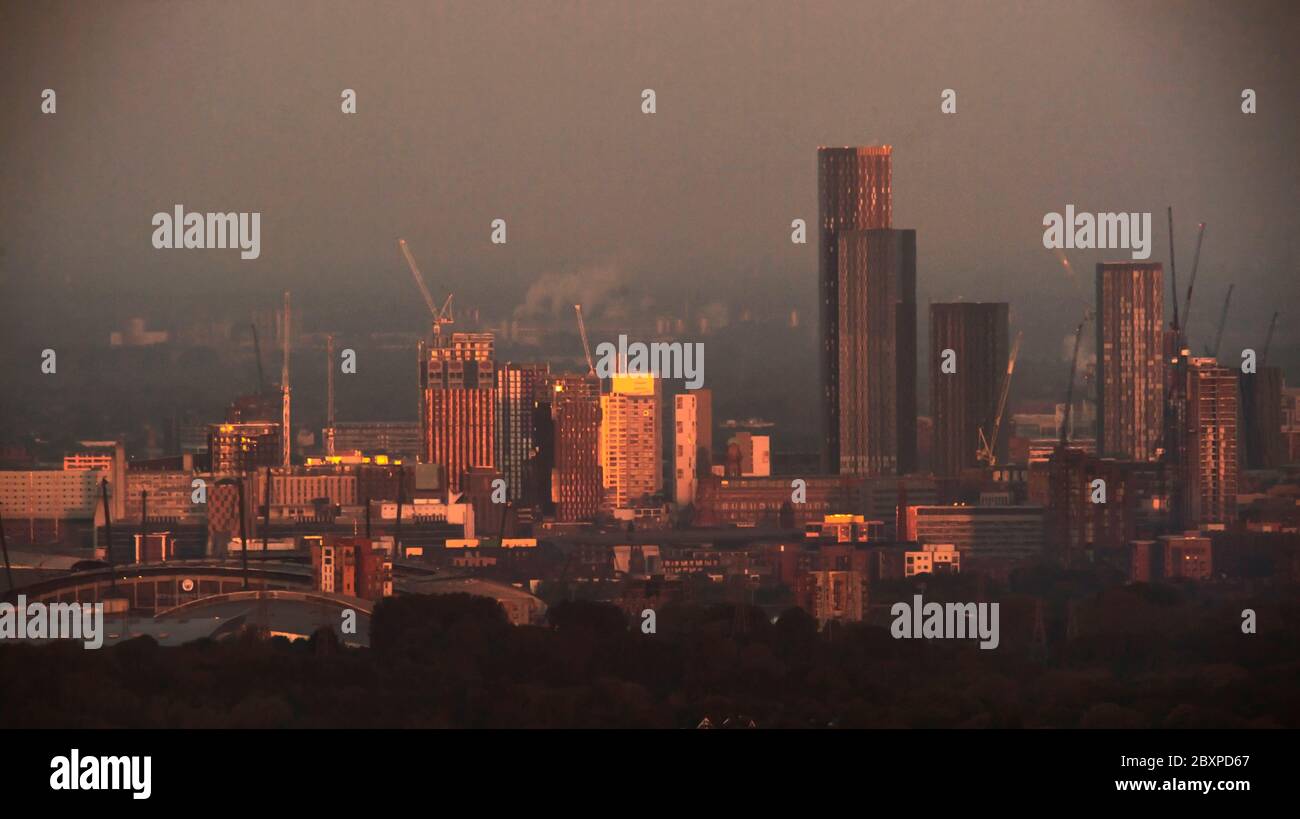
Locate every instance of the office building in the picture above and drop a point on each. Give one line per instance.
(693, 442)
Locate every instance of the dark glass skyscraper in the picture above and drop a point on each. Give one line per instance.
(875, 345)
(853, 193)
(964, 402)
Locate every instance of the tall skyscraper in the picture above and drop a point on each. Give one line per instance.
(693, 442)
(853, 193)
(875, 343)
(1211, 468)
(1130, 361)
(965, 401)
(459, 405)
(565, 470)
(630, 439)
(516, 391)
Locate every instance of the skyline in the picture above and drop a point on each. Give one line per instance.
(353, 376)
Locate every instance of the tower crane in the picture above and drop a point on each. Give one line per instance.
(1268, 340)
(586, 348)
(988, 446)
(1196, 263)
(1223, 319)
(1069, 390)
(440, 316)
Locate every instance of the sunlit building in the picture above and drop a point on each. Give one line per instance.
(1130, 360)
(630, 439)
(458, 387)
(854, 192)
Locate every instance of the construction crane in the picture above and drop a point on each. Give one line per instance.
(1196, 262)
(1069, 390)
(1223, 319)
(586, 348)
(329, 395)
(988, 445)
(257, 353)
(440, 316)
(1268, 340)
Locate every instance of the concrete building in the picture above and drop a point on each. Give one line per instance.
(400, 439)
(630, 439)
(983, 531)
(355, 567)
(932, 558)
(854, 192)
(693, 442)
(1172, 557)
(1130, 360)
(458, 410)
(565, 474)
(965, 401)
(1210, 470)
(241, 448)
(749, 455)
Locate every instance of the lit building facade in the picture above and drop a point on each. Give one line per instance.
(854, 192)
(517, 386)
(1130, 360)
(630, 439)
(1211, 467)
(876, 352)
(458, 386)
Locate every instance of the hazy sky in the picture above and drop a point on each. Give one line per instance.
(530, 111)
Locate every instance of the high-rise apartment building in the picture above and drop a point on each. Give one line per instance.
(876, 352)
(693, 442)
(630, 439)
(564, 475)
(1211, 448)
(517, 386)
(965, 401)
(458, 411)
(1130, 360)
(853, 193)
